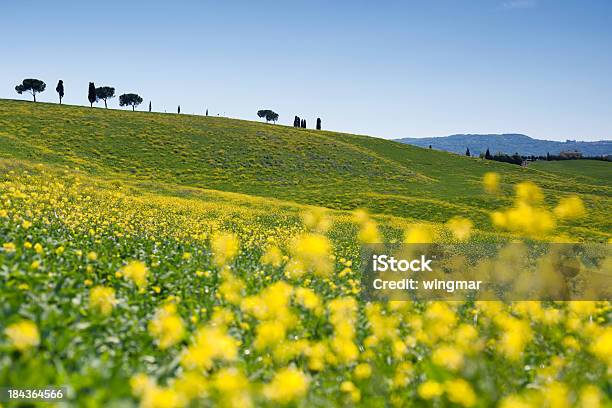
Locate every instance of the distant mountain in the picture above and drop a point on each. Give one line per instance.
(509, 144)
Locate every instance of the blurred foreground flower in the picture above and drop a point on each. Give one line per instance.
(23, 335)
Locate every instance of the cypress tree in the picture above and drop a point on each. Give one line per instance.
(60, 90)
(206, 112)
(179, 109)
(91, 94)
(149, 106)
(318, 123)
(488, 155)
(467, 152)
(303, 123)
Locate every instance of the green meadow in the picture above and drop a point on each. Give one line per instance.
(333, 170)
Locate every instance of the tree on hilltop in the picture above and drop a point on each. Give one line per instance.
(105, 93)
(130, 99)
(268, 114)
(32, 86)
(303, 124)
(149, 106)
(91, 94)
(467, 152)
(318, 123)
(296, 121)
(488, 155)
(60, 90)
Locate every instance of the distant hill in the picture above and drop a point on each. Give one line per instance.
(509, 144)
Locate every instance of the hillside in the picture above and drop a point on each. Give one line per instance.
(334, 170)
(509, 144)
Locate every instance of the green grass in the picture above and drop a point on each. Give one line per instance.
(334, 170)
(588, 171)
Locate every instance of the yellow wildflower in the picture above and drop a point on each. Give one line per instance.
(137, 272)
(288, 384)
(102, 299)
(23, 335)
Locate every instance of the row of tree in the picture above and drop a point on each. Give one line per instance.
(104, 93)
(523, 159)
(301, 123)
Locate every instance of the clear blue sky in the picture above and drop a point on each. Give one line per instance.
(384, 68)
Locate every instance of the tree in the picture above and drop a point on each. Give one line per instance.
(488, 155)
(467, 152)
(318, 123)
(296, 121)
(130, 99)
(105, 93)
(32, 86)
(430, 146)
(149, 106)
(206, 112)
(272, 116)
(268, 114)
(303, 124)
(179, 109)
(60, 90)
(91, 94)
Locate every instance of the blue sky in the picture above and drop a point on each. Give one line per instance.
(386, 68)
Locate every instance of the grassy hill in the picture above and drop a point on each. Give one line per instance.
(334, 170)
(587, 171)
(162, 260)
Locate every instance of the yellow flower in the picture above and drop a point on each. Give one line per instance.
(460, 227)
(308, 298)
(137, 272)
(363, 371)
(514, 401)
(273, 256)
(430, 389)
(449, 357)
(316, 220)
(313, 251)
(491, 182)
(38, 248)
(26, 224)
(528, 192)
(166, 326)
(590, 397)
(186, 256)
(570, 207)
(419, 234)
(102, 299)
(211, 343)
(368, 233)
(602, 346)
(233, 388)
(460, 392)
(224, 247)
(350, 389)
(288, 384)
(8, 247)
(23, 335)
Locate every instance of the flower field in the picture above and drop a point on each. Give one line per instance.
(136, 298)
(141, 293)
